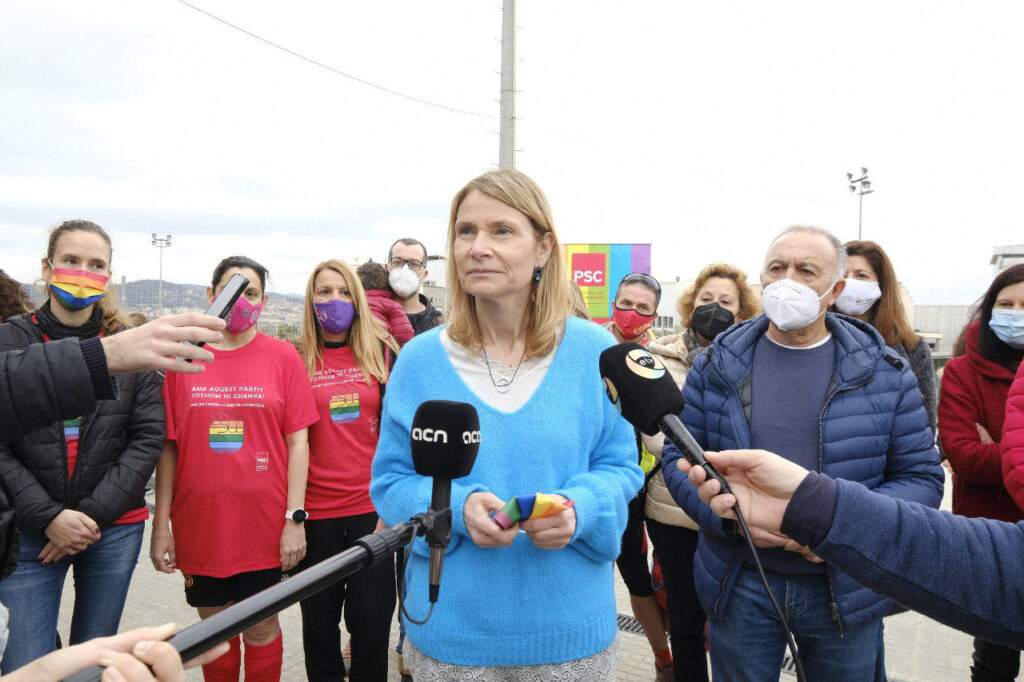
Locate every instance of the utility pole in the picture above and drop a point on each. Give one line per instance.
(507, 139)
(161, 243)
(860, 186)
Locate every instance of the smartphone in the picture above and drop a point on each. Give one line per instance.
(221, 305)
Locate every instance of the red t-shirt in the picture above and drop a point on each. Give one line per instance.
(231, 484)
(342, 443)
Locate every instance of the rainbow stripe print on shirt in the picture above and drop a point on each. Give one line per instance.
(344, 408)
(71, 427)
(226, 435)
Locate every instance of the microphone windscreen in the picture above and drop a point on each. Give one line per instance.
(639, 386)
(445, 439)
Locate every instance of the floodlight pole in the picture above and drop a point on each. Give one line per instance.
(507, 131)
(161, 243)
(860, 186)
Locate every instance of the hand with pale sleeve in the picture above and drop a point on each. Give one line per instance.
(762, 484)
(477, 511)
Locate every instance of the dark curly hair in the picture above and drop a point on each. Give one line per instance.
(13, 299)
(373, 275)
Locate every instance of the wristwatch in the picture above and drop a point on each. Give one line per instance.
(296, 515)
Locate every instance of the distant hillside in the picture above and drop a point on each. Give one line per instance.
(281, 317)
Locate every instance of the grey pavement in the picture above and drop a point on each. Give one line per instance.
(917, 649)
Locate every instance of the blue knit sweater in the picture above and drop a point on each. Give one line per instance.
(516, 605)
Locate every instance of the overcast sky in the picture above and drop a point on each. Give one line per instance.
(703, 128)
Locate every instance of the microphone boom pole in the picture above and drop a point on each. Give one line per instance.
(206, 634)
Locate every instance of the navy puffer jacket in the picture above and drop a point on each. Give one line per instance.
(873, 431)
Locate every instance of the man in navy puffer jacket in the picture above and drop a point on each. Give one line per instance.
(823, 391)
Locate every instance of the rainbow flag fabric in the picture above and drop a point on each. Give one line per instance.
(344, 408)
(529, 506)
(227, 435)
(71, 427)
(77, 289)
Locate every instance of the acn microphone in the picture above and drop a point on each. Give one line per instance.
(644, 393)
(445, 439)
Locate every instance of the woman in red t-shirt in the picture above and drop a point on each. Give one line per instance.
(348, 356)
(232, 477)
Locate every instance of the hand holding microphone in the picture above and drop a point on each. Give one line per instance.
(762, 485)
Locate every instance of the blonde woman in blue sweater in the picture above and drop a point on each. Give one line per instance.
(536, 601)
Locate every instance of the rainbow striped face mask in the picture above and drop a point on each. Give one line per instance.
(77, 289)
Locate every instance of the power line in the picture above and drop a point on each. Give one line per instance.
(339, 72)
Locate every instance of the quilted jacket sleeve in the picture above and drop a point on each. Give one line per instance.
(693, 417)
(912, 470)
(29, 395)
(1012, 442)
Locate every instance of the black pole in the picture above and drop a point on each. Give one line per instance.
(206, 634)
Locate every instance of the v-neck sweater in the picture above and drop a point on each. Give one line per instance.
(516, 605)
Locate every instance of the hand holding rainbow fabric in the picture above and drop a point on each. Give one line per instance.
(529, 506)
(77, 289)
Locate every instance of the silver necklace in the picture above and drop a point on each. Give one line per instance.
(501, 384)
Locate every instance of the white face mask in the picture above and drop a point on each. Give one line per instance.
(1008, 325)
(858, 297)
(791, 305)
(404, 281)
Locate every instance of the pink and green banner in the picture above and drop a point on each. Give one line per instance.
(597, 269)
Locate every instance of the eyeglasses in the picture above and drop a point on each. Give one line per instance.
(414, 265)
(644, 278)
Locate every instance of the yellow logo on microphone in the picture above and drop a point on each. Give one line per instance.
(643, 364)
(612, 393)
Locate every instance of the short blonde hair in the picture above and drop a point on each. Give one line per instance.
(551, 295)
(365, 336)
(749, 305)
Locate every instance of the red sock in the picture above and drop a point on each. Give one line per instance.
(663, 657)
(227, 667)
(263, 663)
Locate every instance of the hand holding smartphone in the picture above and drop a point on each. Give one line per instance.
(222, 303)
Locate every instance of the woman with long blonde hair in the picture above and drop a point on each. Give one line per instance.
(348, 357)
(511, 350)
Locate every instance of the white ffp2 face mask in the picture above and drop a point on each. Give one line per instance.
(858, 296)
(404, 281)
(791, 305)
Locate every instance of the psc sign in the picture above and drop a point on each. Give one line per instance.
(589, 269)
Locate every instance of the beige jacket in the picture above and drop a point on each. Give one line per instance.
(674, 354)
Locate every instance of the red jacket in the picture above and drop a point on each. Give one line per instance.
(1012, 442)
(974, 392)
(391, 313)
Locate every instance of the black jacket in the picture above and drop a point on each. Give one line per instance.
(119, 444)
(29, 397)
(426, 319)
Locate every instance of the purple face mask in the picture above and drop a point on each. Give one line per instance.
(242, 316)
(335, 316)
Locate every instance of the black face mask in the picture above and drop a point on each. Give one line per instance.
(711, 319)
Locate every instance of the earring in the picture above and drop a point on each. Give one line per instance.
(537, 272)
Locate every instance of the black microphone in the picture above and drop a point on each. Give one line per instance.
(445, 439)
(644, 393)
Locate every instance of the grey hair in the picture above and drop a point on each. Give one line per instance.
(836, 244)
